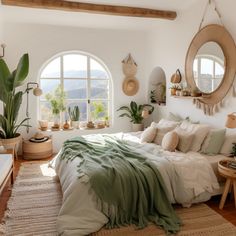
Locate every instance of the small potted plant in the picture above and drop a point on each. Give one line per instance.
(174, 88)
(57, 102)
(233, 152)
(153, 96)
(99, 114)
(74, 114)
(135, 113)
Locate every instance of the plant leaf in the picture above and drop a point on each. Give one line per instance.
(4, 74)
(22, 70)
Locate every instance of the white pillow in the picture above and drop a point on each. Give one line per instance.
(148, 135)
(170, 141)
(185, 139)
(227, 146)
(163, 127)
(199, 131)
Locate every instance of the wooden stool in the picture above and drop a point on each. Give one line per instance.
(230, 175)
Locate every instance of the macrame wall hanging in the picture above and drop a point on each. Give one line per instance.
(211, 103)
(130, 84)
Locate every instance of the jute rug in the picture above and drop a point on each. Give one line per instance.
(36, 200)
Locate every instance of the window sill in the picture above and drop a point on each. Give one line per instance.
(73, 130)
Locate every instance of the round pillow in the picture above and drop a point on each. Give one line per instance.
(170, 141)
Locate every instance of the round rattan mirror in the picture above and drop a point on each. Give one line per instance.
(213, 34)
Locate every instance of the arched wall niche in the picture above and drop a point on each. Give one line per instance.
(157, 86)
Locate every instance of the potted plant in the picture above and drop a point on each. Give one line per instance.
(153, 96)
(233, 152)
(99, 114)
(57, 102)
(135, 113)
(74, 115)
(12, 96)
(173, 89)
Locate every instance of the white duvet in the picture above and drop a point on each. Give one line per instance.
(189, 178)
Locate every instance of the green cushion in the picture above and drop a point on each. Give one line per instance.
(213, 142)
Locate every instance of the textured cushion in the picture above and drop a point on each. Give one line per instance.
(185, 139)
(170, 141)
(163, 127)
(148, 135)
(214, 141)
(199, 131)
(227, 146)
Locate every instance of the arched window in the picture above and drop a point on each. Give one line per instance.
(86, 82)
(208, 72)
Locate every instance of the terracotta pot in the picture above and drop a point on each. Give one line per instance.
(137, 127)
(173, 91)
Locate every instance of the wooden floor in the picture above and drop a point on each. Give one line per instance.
(229, 211)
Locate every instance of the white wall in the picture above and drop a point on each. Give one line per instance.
(168, 48)
(111, 46)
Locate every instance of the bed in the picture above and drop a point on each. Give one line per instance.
(189, 178)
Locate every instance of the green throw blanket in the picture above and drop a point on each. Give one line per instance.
(130, 188)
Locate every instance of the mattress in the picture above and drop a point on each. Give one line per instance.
(5, 166)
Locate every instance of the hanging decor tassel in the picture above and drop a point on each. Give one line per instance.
(216, 108)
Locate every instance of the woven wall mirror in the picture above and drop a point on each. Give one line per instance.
(215, 86)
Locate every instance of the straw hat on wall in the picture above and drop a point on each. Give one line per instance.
(130, 86)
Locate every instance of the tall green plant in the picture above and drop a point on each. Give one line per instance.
(12, 99)
(134, 111)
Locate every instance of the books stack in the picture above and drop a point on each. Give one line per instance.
(232, 164)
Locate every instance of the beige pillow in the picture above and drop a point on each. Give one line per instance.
(185, 139)
(163, 127)
(170, 141)
(148, 135)
(227, 146)
(199, 131)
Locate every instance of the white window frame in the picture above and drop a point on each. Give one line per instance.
(89, 79)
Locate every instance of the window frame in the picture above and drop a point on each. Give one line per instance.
(88, 79)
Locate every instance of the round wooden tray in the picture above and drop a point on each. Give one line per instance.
(225, 170)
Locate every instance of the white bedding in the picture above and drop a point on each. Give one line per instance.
(189, 178)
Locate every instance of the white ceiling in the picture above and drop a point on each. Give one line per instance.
(78, 19)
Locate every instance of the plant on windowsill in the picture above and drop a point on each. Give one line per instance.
(99, 114)
(57, 102)
(12, 96)
(135, 113)
(74, 115)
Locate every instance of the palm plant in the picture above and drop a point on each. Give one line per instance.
(134, 112)
(12, 99)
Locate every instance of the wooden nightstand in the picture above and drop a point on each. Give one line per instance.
(35, 151)
(230, 175)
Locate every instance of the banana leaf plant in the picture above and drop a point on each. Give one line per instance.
(11, 96)
(134, 111)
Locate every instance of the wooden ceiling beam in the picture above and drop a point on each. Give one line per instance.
(92, 8)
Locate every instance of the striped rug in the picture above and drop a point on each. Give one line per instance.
(36, 201)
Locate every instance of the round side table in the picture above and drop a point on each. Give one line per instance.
(230, 174)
